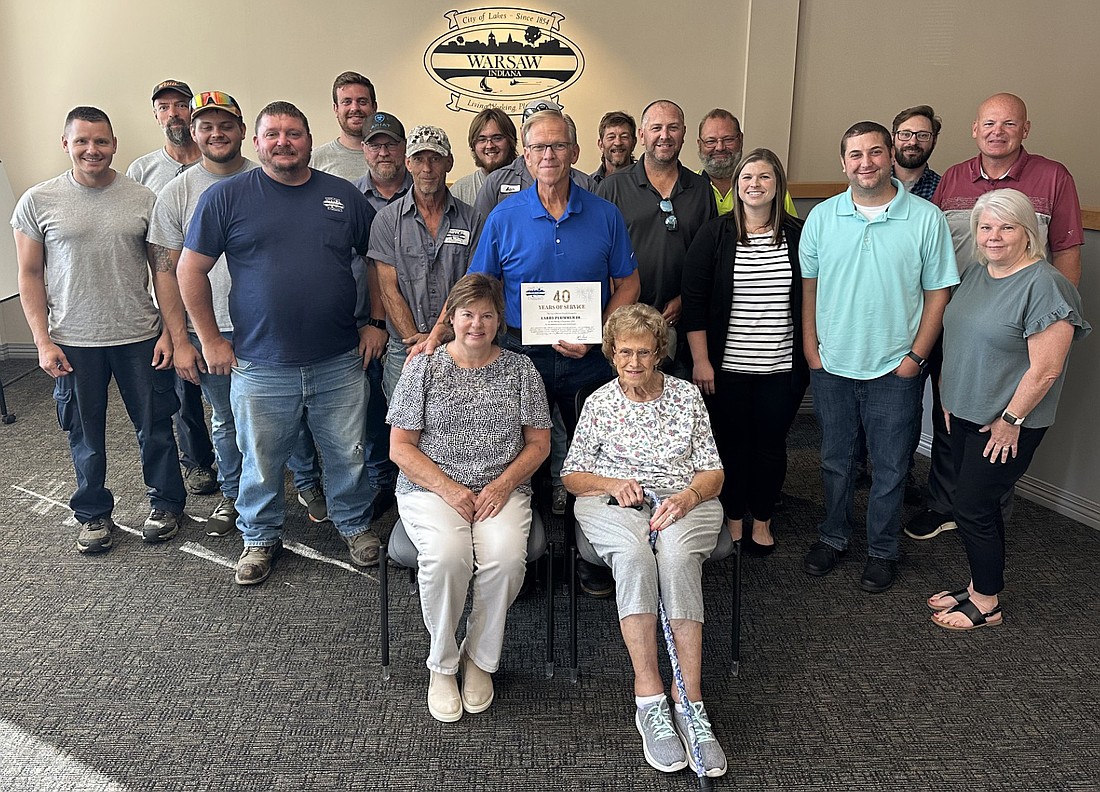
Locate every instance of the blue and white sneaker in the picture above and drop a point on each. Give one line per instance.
(662, 747)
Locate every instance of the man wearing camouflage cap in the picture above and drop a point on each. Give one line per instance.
(420, 245)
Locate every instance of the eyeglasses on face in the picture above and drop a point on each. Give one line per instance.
(643, 355)
(906, 135)
(392, 145)
(538, 149)
(671, 223)
(482, 140)
(729, 142)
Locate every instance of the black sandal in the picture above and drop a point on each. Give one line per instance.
(962, 595)
(971, 611)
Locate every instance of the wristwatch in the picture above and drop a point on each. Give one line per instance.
(922, 362)
(379, 323)
(1009, 418)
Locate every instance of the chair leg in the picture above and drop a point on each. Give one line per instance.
(548, 563)
(573, 673)
(384, 585)
(735, 642)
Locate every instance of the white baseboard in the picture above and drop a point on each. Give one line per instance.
(18, 351)
(1037, 491)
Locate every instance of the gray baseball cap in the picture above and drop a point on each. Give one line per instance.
(428, 138)
(385, 124)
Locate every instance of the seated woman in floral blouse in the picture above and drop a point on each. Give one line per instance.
(648, 431)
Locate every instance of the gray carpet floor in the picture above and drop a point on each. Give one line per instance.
(147, 669)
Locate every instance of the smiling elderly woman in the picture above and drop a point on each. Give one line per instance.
(649, 431)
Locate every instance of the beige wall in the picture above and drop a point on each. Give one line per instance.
(867, 60)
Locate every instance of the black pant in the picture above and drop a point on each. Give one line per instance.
(751, 415)
(979, 488)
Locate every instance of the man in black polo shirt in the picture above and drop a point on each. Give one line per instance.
(664, 205)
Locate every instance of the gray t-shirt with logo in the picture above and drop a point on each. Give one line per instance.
(171, 218)
(97, 272)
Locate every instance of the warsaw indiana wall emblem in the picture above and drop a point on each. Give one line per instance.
(502, 57)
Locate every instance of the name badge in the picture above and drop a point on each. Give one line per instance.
(457, 236)
(509, 188)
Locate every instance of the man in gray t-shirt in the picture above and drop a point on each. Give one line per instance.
(354, 103)
(172, 110)
(84, 286)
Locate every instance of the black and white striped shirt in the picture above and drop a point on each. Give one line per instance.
(761, 328)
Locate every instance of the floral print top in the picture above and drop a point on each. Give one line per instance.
(660, 443)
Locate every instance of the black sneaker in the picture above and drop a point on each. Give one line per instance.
(200, 480)
(596, 581)
(313, 498)
(821, 559)
(223, 521)
(160, 526)
(878, 575)
(95, 535)
(929, 524)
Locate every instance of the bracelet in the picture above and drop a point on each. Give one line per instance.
(697, 495)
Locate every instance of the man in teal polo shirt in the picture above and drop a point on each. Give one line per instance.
(877, 266)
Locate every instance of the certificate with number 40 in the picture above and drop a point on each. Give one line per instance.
(553, 312)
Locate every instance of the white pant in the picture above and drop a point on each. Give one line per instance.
(451, 551)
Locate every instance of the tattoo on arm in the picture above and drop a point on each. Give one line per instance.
(162, 259)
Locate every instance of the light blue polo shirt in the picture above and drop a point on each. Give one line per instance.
(871, 278)
(523, 243)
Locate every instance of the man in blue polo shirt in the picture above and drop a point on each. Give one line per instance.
(877, 266)
(294, 350)
(556, 231)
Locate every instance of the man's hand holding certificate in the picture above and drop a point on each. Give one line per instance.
(555, 312)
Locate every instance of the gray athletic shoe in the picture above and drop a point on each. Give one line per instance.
(714, 758)
(224, 519)
(95, 535)
(160, 526)
(662, 746)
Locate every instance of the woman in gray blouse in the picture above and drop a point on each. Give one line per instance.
(1007, 333)
(470, 424)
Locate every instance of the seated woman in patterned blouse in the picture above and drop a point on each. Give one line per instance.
(470, 424)
(649, 431)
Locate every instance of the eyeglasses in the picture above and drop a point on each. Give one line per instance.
(643, 355)
(482, 140)
(375, 147)
(538, 149)
(671, 223)
(728, 141)
(905, 134)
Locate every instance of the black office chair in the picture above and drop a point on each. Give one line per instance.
(402, 552)
(581, 548)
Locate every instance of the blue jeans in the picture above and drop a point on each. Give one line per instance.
(215, 388)
(396, 355)
(269, 402)
(889, 408)
(381, 472)
(150, 399)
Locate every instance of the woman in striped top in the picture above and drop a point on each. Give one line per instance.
(742, 312)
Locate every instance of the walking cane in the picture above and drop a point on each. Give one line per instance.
(705, 782)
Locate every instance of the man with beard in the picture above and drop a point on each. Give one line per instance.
(664, 205)
(720, 146)
(383, 149)
(506, 181)
(300, 352)
(493, 145)
(421, 244)
(916, 131)
(172, 111)
(1000, 128)
(171, 108)
(218, 128)
(877, 268)
(353, 103)
(618, 137)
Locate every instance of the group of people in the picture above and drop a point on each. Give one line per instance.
(344, 300)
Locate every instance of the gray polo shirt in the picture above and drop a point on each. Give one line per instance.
(378, 201)
(507, 181)
(660, 252)
(427, 268)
